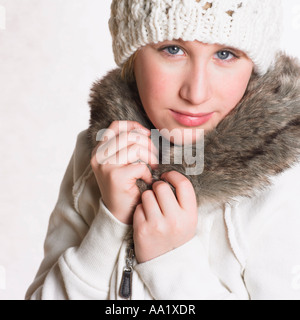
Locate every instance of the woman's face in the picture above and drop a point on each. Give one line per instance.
(190, 85)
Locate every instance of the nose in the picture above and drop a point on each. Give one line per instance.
(196, 87)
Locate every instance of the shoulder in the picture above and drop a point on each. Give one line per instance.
(287, 184)
(86, 193)
(282, 193)
(282, 197)
(276, 211)
(82, 155)
(266, 229)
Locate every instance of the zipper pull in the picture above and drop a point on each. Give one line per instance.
(126, 283)
(125, 289)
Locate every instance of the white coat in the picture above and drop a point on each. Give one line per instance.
(247, 244)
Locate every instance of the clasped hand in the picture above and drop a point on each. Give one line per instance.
(162, 223)
(161, 220)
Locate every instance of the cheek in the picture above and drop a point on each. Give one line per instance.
(157, 89)
(153, 85)
(233, 91)
(235, 86)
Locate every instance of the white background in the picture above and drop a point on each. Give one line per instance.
(51, 51)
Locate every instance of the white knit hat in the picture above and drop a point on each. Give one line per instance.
(252, 26)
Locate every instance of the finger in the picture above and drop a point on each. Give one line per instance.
(140, 137)
(138, 216)
(117, 127)
(128, 175)
(151, 207)
(185, 192)
(132, 154)
(135, 172)
(165, 197)
(137, 153)
(123, 140)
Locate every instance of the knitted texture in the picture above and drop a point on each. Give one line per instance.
(253, 26)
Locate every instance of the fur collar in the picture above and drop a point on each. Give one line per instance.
(259, 139)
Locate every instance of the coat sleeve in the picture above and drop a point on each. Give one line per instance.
(183, 274)
(79, 258)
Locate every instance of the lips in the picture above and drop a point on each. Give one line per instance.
(191, 120)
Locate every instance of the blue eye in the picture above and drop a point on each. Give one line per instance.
(225, 55)
(173, 50)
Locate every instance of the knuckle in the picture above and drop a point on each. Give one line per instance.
(146, 169)
(123, 134)
(138, 210)
(177, 224)
(97, 155)
(113, 176)
(133, 151)
(136, 123)
(135, 137)
(141, 231)
(114, 124)
(160, 186)
(139, 207)
(185, 183)
(118, 126)
(171, 173)
(157, 227)
(147, 194)
(96, 166)
(93, 162)
(133, 148)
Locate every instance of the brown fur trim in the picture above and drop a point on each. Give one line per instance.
(259, 139)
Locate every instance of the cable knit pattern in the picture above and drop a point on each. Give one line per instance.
(253, 26)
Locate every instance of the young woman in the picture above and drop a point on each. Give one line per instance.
(129, 226)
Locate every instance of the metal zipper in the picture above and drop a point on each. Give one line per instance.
(126, 283)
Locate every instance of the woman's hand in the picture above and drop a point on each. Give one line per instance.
(162, 223)
(115, 166)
